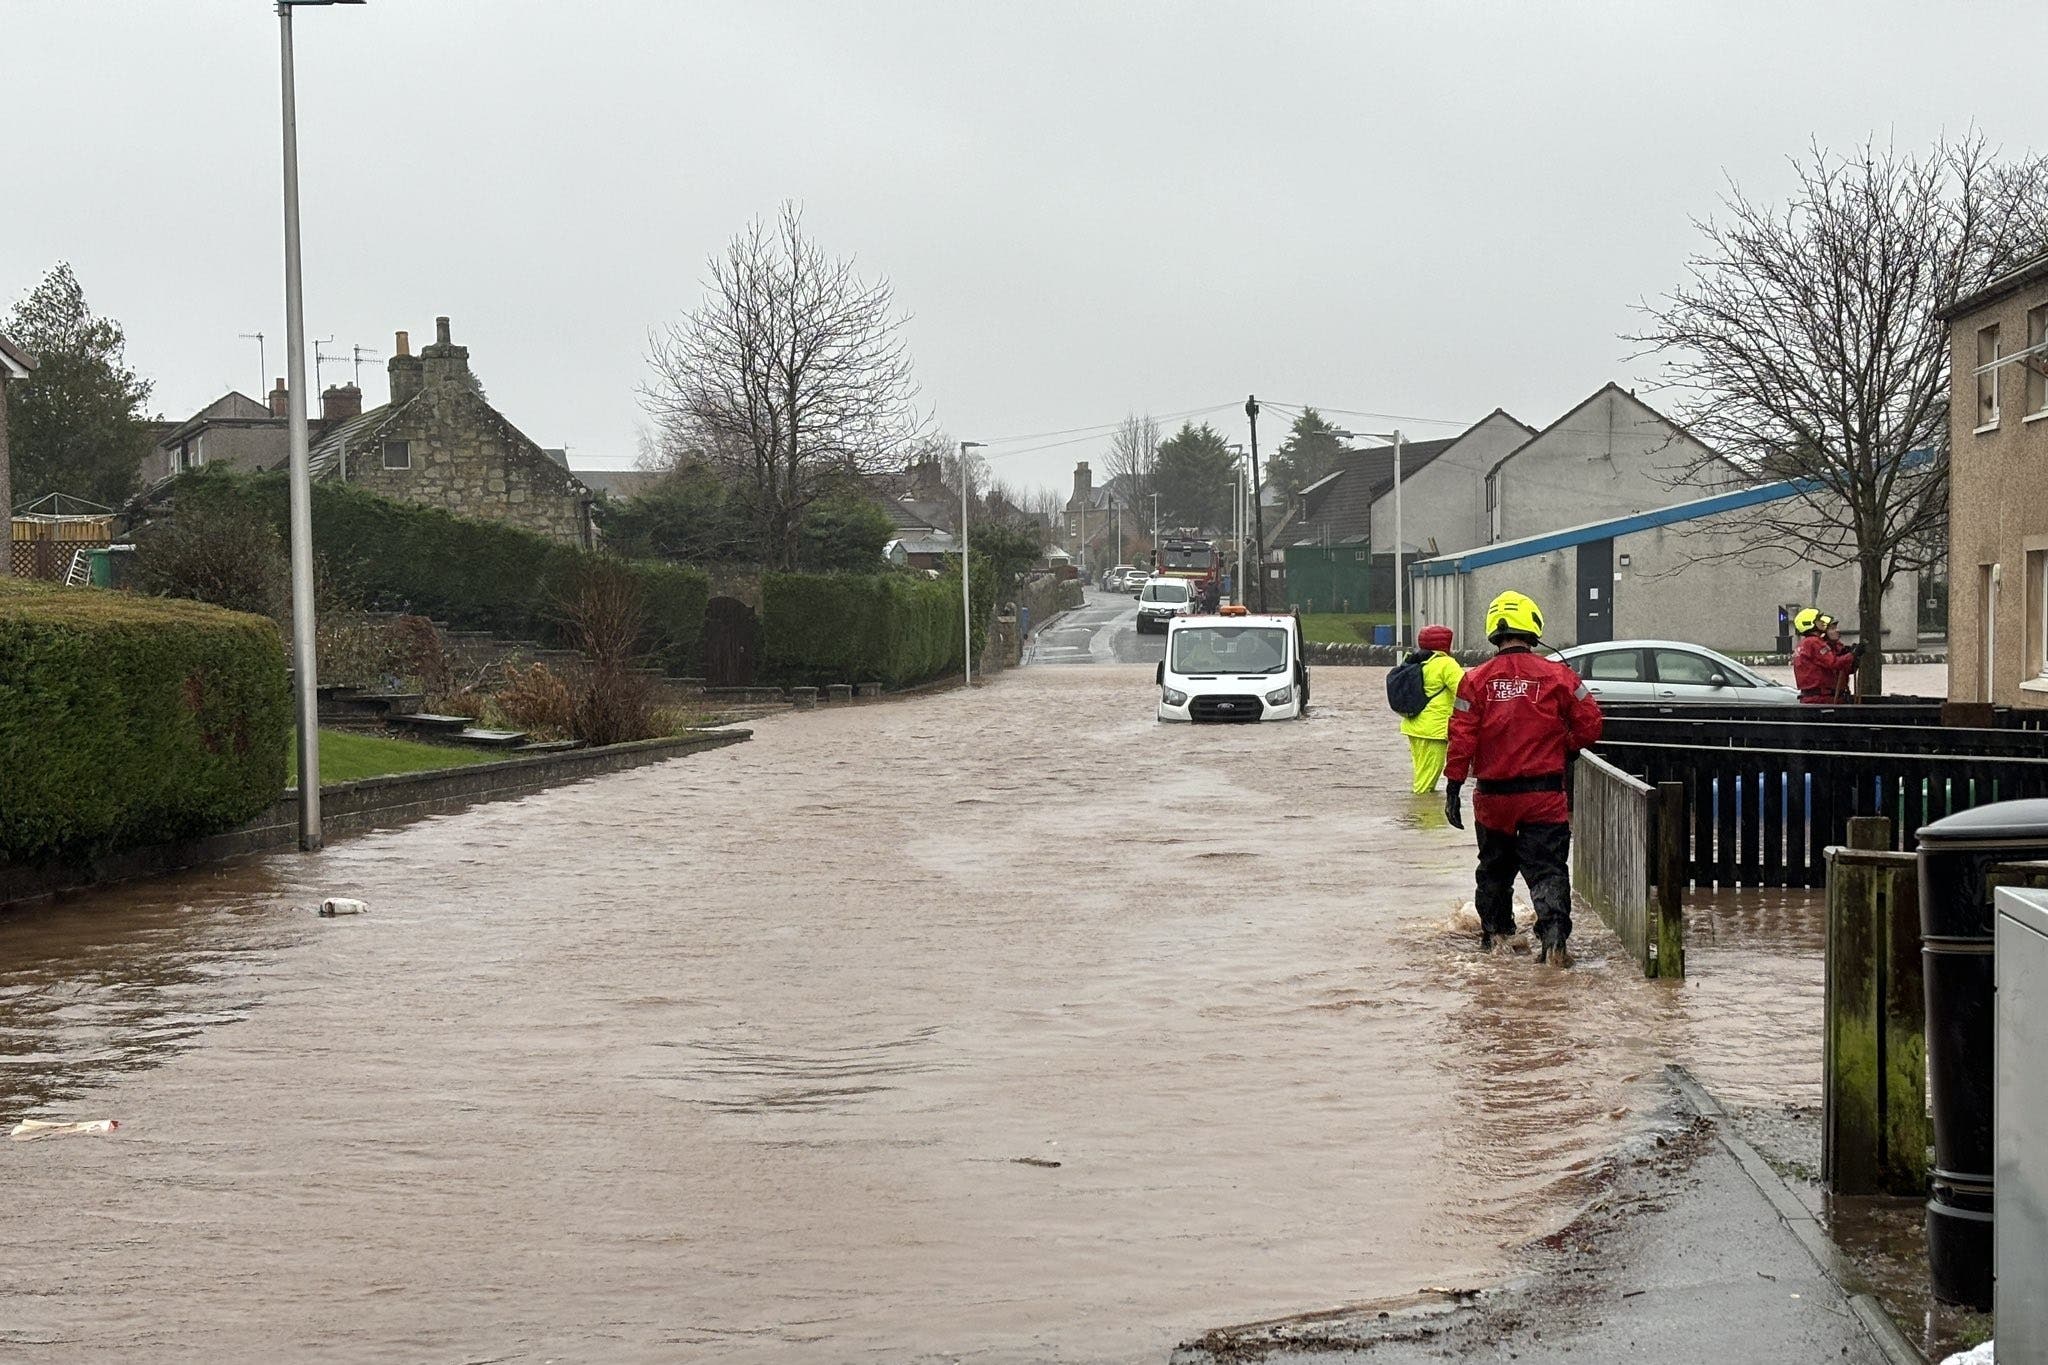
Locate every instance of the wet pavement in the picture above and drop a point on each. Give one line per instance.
(1102, 630)
(767, 1054)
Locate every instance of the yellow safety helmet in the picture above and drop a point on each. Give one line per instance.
(1806, 620)
(1513, 614)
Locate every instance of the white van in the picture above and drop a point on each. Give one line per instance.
(1160, 600)
(1233, 667)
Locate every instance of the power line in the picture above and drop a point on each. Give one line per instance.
(1380, 416)
(1105, 427)
(1097, 433)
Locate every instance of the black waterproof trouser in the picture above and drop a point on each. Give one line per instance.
(1542, 855)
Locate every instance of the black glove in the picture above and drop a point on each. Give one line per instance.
(1453, 804)
(1858, 648)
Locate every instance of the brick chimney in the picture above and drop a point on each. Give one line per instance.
(927, 477)
(404, 369)
(1084, 482)
(341, 401)
(280, 401)
(446, 363)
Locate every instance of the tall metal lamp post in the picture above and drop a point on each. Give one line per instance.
(966, 598)
(1400, 588)
(305, 657)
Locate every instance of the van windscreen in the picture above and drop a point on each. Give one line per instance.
(1229, 649)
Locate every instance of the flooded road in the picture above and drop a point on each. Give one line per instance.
(741, 1057)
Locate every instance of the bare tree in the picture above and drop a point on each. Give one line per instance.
(1807, 340)
(1132, 462)
(792, 370)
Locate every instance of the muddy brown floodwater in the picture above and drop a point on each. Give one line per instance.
(740, 1057)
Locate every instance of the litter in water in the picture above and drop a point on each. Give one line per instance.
(31, 1130)
(342, 905)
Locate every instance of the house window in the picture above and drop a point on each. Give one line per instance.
(1987, 377)
(2037, 358)
(398, 454)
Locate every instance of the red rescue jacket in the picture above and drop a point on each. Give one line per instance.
(1820, 669)
(1517, 718)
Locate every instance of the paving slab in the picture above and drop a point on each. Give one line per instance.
(1695, 1252)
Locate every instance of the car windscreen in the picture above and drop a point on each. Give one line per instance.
(1230, 649)
(1166, 592)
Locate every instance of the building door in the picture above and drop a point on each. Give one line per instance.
(1596, 591)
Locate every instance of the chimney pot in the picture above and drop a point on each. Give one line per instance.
(280, 401)
(441, 332)
(403, 346)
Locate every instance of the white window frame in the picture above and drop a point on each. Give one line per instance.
(384, 454)
(1987, 379)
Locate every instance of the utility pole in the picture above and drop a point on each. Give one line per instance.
(1155, 531)
(966, 598)
(1251, 410)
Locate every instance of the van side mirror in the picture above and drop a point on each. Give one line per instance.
(1159, 674)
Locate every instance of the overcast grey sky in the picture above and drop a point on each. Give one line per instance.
(1426, 210)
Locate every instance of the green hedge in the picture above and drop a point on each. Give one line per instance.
(897, 628)
(127, 721)
(474, 575)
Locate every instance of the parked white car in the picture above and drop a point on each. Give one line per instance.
(1162, 599)
(1233, 667)
(1671, 672)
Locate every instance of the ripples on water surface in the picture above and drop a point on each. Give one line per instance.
(735, 1058)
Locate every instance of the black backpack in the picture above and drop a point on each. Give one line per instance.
(1406, 694)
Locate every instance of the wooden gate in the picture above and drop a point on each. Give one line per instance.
(732, 643)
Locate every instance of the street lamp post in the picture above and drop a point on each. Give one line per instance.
(1400, 589)
(1155, 531)
(305, 655)
(966, 597)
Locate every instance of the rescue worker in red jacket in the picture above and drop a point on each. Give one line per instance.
(1519, 716)
(1820, 666)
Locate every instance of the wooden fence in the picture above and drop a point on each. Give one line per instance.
(1766, 817)
(1627, 861)
(1874, 1128)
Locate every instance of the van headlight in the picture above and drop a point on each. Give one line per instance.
(1173, 698)
(1280, 696)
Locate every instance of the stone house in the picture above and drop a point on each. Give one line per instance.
(15, 366)
(1101, 525)
(1998, 501)
(439, 442)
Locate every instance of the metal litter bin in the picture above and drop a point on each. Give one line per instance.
(1956, 926)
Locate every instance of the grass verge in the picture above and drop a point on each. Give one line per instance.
(1343, 628)
(348, 757)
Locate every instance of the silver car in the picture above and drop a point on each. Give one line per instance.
(1668, 672)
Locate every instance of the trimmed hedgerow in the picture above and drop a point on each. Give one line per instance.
(894, 628)
(474, 575)
(127, 721)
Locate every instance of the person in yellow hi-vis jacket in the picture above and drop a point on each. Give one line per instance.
(1429, 730)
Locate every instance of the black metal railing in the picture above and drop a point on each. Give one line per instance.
(1827, 736)
(1766, 816)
